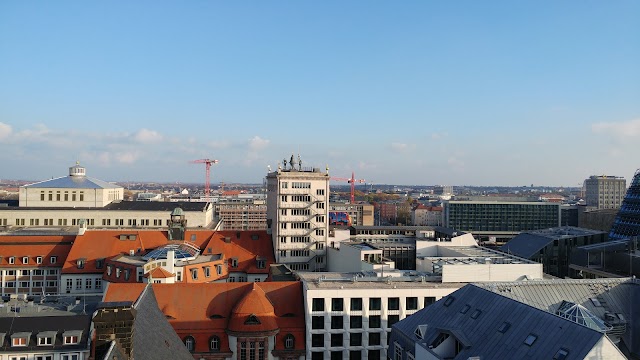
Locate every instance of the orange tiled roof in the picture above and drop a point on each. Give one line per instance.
(44, 246)
(255, 305)
(159, 273)
(245, 246)
(102, 244)
(203, 310)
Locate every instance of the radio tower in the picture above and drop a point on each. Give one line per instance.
(207, 163)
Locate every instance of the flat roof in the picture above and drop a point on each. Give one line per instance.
(369, 280)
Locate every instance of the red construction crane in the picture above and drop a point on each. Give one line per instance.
(353, 182)
(207, 163)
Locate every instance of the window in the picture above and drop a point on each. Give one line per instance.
(19, 341)
(476, 313)
(261, 264)
(78, 284)
(375, 321)
(12, 260)
(214, 343)
(355, 322)
(87, 284)
(190, 343)
(412, 303)
(531, 339)
(317, 340)
(337, 322)
(336, 339)
(70, 339)
(98, 284)
(317, 355)
(317, 322)
(392, 319)
(429, 300)
(355, 339)
(356, 304)
(374, 355)
(374, 339)
(375, 304)
(194, 274)
(393, 303)
(449, 300)
(337, 304)
(38, 259)
(504, 327)
(108, 270)
(289, 341)
(43, 341)
(234, 262)
(397, 352)
(43, 357)
(80, 263)
(53, 259)
(336, 355)
(69, 357)
(465, 309)
(207, 271)
(561, 354)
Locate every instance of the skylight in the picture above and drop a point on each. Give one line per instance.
(531, 339)
(561, 354)
(504, 327)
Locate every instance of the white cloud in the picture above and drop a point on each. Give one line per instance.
(619, 130)
(126, 157)
(219, 144)
(147, 136)
(5, 130)
(437, 136)
(402, 147)
(257, 143)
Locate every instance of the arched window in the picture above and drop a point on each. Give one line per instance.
(214, 343)
(289, 341)
(190, 343)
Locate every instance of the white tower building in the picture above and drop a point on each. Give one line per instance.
(297, 215)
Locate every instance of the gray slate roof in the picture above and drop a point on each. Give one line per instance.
(35, 325)
(526, 245)
(74, 182)
(481, 335)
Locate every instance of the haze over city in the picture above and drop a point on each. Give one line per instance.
(417, 92)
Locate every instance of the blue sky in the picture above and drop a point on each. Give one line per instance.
(411, 92)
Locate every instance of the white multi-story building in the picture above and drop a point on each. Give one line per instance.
(73, 191)
(605, 192)
(349, 314)
(297, 216)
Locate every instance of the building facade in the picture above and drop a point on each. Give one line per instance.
(627, 222)
(500, 220)
(73, 191)
(605, 192)
(298, 216)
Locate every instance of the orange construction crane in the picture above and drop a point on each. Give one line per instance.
(207, 163)
(353, 182)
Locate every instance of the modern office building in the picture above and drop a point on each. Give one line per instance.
(298, 215)
(73, 191)
(241, 214)
(627, 222)
(500, 220)
(605, 192)
(358, 214)
(610, 259)
(552, 247)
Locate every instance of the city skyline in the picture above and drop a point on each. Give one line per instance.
(415, 93)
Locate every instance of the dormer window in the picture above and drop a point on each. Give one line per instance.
(70, 340)
(234, 262)
(46, 338)
(99, 263)
(19, 341)
(289, 341)
(108, 270)
(194, 274)
(261, 264)
(80, 263)
(25, 259)
(252, 320)
(127, 274)
(118, 271)
(71, 337)
(12, 260)
(53, 259)
(38, 259)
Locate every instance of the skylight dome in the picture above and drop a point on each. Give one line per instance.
(579, 314)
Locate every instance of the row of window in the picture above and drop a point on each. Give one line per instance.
(337, 339)
(88, 284)
(34, 272)
(44, 357)
(355, 322)
(32, 284)
(44, 340)
(393, 303)
(353, 355)
(26, 259)
(214, 345)
(59, 196)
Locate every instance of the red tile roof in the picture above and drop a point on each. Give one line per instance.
(103, 244)
(44, 246)
(203, 310)
(158, 273)
(254, 304)
(245, 246)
